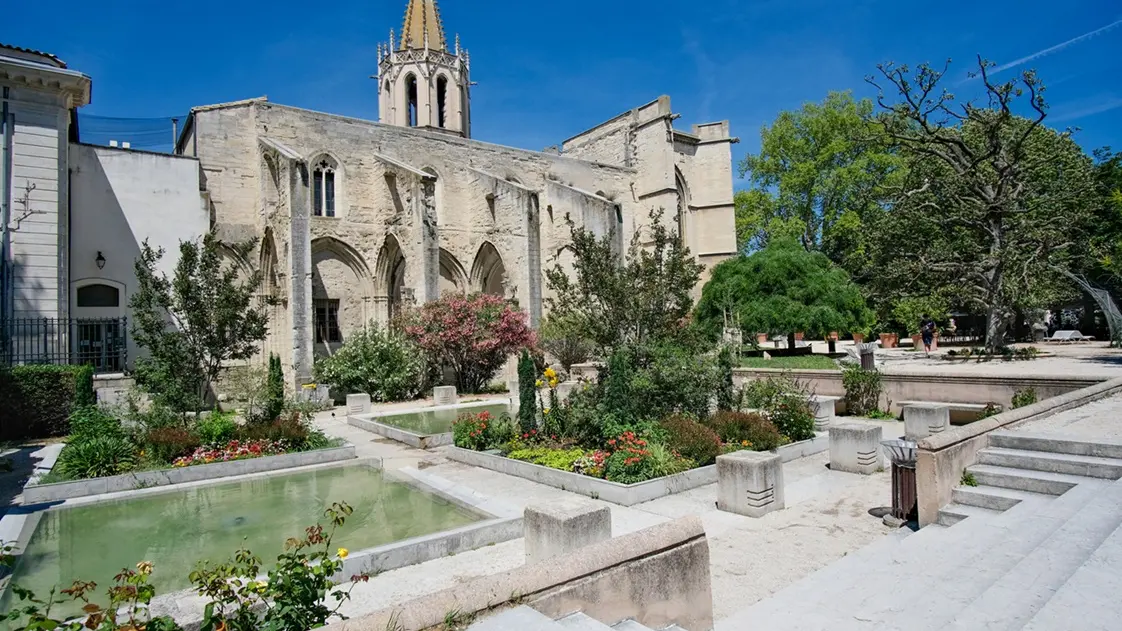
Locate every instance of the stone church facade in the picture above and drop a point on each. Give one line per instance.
(357, 219)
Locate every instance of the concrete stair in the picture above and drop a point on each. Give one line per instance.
(523, 618)
(1030, 547)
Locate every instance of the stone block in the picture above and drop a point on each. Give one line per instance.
(823, 408)
(565, 388)
(512, 387)
(358, 403)
(563, 527)
(924, 419)
(444, 395)
(750, 483)
(855, 447)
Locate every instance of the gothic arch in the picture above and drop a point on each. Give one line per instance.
(231, 256)
(453, 277)
(268, 264)
(327, 183)
(411, 105)
(389, 279)
(341, 289)
(683, 205)
(488, 273)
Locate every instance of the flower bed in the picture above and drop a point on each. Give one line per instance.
(234, 450)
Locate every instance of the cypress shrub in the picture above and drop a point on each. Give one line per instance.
(527, 393)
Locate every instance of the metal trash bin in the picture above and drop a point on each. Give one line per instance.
(902, 453)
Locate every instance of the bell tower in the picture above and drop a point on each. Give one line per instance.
(420, 82)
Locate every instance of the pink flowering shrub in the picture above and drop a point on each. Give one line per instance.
(472, 334)
(234, 450)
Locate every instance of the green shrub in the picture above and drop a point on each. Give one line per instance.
(165, 444)
(862, 390)
(216, 428)
(381, 363)
(289, 429)
(663, 462)
(90, 421)
(1025, 397)
(726, 393)
(691, 439)
(273, 404)
(564, 338)
(785, 401)
(95, 457)
(739, 427)
(527, 393)
(562, 459)
(37, 401)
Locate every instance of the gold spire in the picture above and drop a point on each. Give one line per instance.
(422, 17)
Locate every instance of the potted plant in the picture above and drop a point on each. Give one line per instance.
(889, 340)
(859, 337)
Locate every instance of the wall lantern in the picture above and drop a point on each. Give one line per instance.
(100, 260)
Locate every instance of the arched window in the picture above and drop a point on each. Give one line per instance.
(99, 296)
(323, 187)
(411, 100)
(441, 101)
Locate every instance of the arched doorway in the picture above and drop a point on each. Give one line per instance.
(340, 289)
(389, 277)
(488, 274)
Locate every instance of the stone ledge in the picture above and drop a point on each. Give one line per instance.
(614, 492)
(673, 551)
(370, 423)
(41, 493)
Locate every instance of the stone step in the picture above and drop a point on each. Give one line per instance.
(902, 589)
(1024, 479)
(631, 625)
(992, 497)
(521, 618)
(1091, 593)
(953, 513)
(583, 622)
(1018, 595)
(1088, 466)
(1056, 443)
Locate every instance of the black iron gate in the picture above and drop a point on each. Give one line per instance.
(98, 342)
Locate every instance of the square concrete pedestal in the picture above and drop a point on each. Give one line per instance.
(824, 410)
(444, 395)
(924, 419)
(855, 448)
(750, 483)
(358, 403)
(564, 526)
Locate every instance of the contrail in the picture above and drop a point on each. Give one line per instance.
(1056, 48)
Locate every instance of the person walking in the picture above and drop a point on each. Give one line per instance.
(927, 330)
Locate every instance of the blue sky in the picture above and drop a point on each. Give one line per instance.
(547, 70)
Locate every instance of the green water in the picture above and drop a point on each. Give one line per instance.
(436, 421)
(175, 530)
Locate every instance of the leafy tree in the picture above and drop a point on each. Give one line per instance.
(472, 334)
(379, 362)
(645, 297)
(822, 170)
(782, 289)
(563, 338)
(195, 322)
(992, 200)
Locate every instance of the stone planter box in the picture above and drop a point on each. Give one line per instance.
(614, 492)
(40, 493)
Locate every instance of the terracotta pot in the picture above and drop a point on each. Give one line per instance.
(798, 337)
(917, 342)
(761, 338)
(889, 340)
(833, 336)
(858, 338)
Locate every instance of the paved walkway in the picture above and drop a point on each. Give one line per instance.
(1095, 359)
(826, 518)
(1100, 420)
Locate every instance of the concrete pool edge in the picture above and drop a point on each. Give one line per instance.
(44, 493)
(500, 522)
(370, 422)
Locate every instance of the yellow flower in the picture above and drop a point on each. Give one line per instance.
(538, 383)
(309, 386)
(545, 410)
(343, 553)
(144, 568)
(258, 586)
(553, 382)
(744, 442)
(550, 372)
